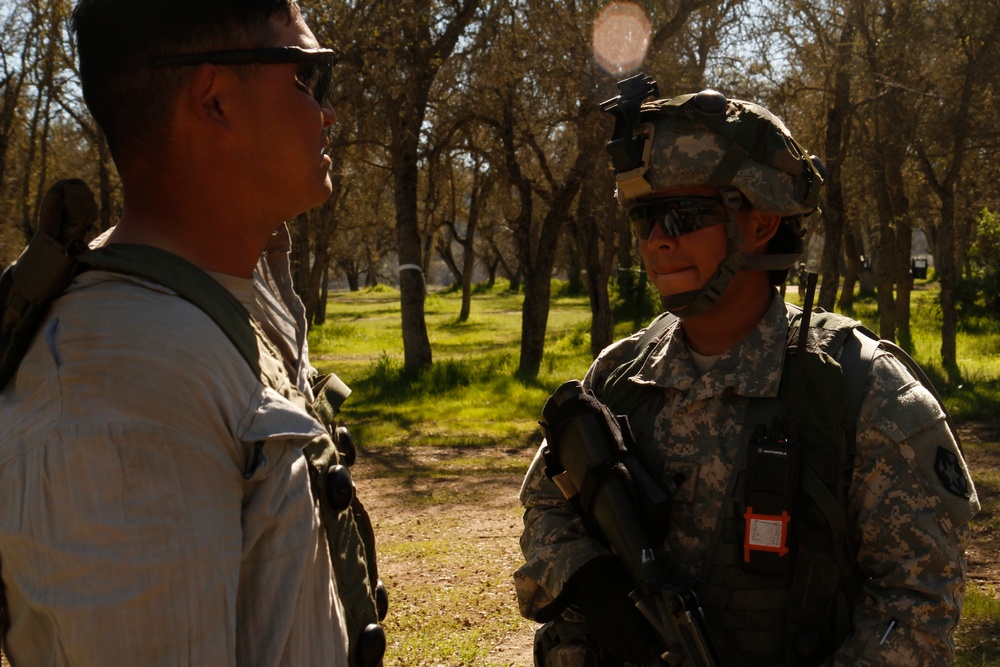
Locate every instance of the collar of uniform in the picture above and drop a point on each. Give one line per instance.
(751, 368)
(241, 288)
(669, 365)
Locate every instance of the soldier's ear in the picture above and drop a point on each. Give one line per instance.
(762, 228)
(209, 94)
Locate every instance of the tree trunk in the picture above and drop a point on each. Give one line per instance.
(852, 262)
(10, 94)
(468, 261)
(27, 215)
(892, 214)
(596, 245)
(904, 284)
(324, 293)
(300, 252)
(944, 263)
(104, 181)
(534, 319)
(883, 265)
(321, 225)
(412, 285)
(492, 263)
(353, 275)
(423, 42)
(538, 269)
(444, 251)
(838, 129)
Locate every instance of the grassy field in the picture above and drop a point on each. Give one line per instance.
(472, 379)
(444, 453)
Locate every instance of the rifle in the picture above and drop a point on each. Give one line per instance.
(587, 458)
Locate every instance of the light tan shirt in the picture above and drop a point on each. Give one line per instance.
(129, 534)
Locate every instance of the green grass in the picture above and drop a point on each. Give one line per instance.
(978, 637)
(451, 599)
(472, 380)
(473, 377)
(363, 329)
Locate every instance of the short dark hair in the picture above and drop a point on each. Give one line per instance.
(115, 39)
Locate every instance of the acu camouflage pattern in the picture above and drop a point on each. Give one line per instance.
(704, 139)
(909, 530)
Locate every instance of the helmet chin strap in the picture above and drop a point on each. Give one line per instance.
(695, 302)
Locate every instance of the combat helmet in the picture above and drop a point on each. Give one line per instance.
(705, 139)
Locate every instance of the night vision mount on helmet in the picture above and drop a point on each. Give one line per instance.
(705, 139)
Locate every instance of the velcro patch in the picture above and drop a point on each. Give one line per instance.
(949, 471)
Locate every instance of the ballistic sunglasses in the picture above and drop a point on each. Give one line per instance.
(315, 65)
(676, 215)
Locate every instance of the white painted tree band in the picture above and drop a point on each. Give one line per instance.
(415, 267)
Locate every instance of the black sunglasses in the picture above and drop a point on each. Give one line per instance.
(315, 65)
(676, 215)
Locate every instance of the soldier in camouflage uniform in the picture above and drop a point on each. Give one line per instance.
(717, 203)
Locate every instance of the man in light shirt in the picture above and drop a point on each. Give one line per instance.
(156, 502)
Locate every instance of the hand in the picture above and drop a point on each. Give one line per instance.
(600, 588)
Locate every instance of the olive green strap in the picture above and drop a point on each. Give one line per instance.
(622, 396)
(330, 392)
(189, 282)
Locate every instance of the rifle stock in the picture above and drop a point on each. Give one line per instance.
(585, 444)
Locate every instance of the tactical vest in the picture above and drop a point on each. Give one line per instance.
(798, 618)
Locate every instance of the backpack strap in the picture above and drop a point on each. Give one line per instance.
(855, 359)
(196, 286)
(622, 396)
(654, 332)
(189, 282)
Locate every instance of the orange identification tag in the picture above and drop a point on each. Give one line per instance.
(771, 489)
(765, 532)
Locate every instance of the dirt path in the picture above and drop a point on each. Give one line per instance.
(492, 518)
(984, 566)
(472, 549)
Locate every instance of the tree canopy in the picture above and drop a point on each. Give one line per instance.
(470, 145)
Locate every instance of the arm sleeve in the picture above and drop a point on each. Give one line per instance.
(555, 545)
(555, 542)
(910, 500)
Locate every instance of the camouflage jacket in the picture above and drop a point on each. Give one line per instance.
(910, 531)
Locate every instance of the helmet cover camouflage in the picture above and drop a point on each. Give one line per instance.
(706, 139)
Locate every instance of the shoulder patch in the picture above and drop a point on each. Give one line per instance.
(949, 471)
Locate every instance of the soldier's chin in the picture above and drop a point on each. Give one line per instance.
(677, 304)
